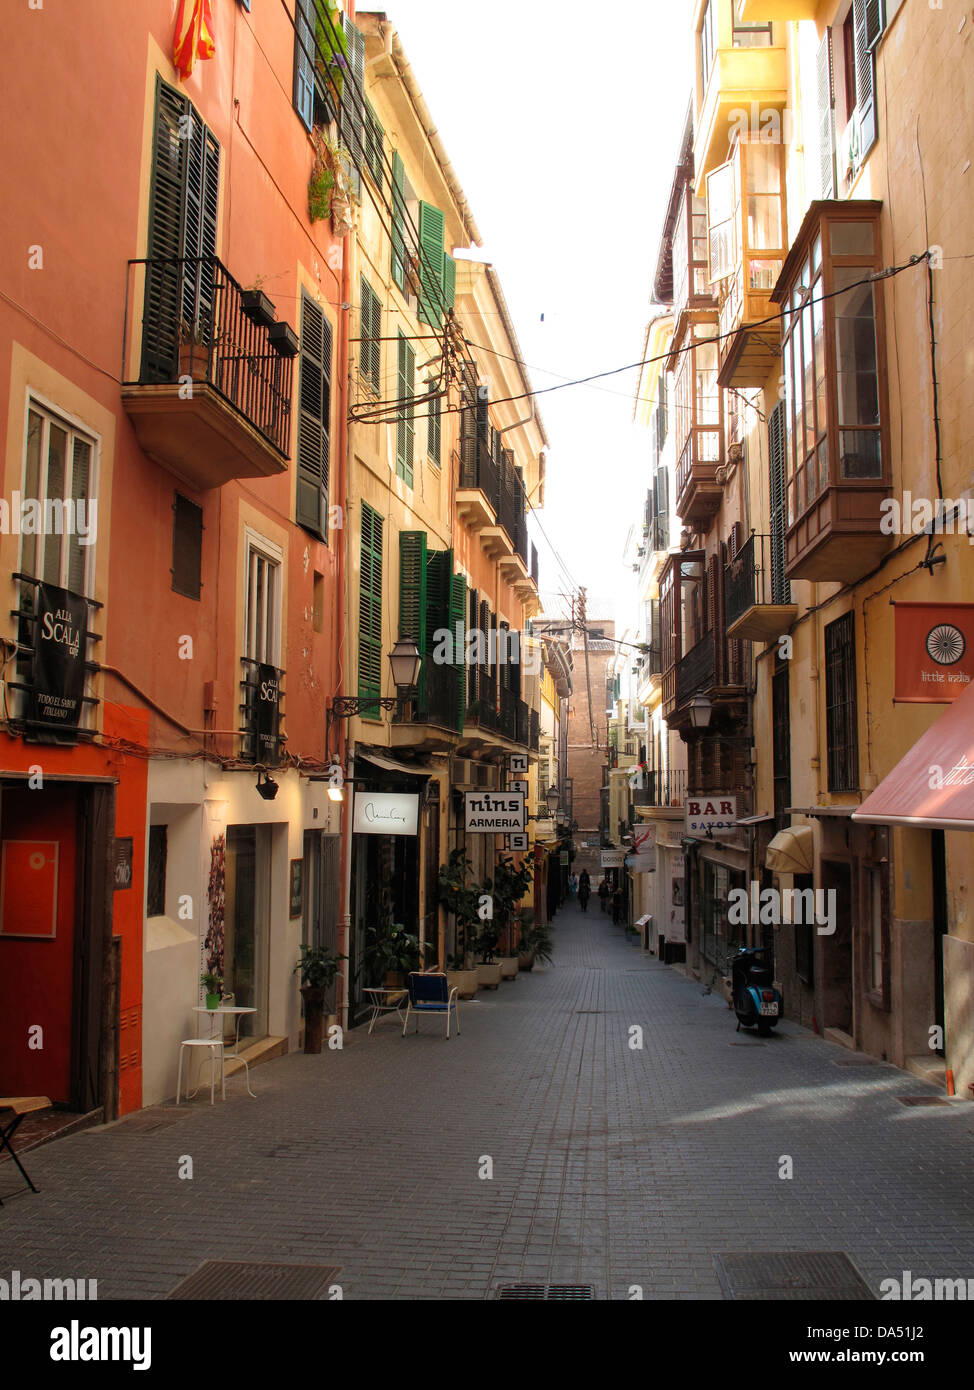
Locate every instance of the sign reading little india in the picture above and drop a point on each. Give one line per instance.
(60, 642)
(494, 813)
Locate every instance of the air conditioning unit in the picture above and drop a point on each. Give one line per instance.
(463, 770)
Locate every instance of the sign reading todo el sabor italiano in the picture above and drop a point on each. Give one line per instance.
(494, 813)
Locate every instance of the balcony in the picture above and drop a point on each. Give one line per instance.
(491, 501)
(738, 72)
(691, 280)
(212, 397)
(746, 209)
(695, 672)
(758, 606)
(436, 704)
(499, 712)
(754, 11)
(657, 787)
(478, 484)
(698, 492)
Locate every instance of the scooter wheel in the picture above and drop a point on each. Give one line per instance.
(764, 1027)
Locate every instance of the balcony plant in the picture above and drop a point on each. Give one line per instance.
(212, 982)
(330, 185)
(194, 351)
(318, 968)
(256, 305)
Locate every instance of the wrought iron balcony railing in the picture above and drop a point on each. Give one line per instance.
(695, 672)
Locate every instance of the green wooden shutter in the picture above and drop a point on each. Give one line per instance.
(303, 92)
(473, 692)
(370, 612)
(162, 307)
(438, 696)
(458, 612)
(398, 220)
(352, 115)
(433, 422)
(413, 602)
(449, 280)
(432, 225)
(405, 428)
(314, 419)
(199, 224)
(370, 332)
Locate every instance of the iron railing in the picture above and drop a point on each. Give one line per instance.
(534, 731)
(751, 579)
(193, 324)
(695, 672)
(656, 786)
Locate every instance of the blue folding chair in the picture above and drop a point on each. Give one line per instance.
(430, 994)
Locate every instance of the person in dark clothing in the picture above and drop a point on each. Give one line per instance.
(584, 889)
(603, 893)
(616, 907)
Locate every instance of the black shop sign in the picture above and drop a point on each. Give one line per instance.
(60, 647)
(267, 714)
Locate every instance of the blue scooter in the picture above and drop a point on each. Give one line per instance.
(756, 1002)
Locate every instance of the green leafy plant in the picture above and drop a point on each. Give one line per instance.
(331, 46)
(541, 943)
(331, 176)
(321, 186)
(507, 887)
(391, 949)
(212, 982)
(460, 897)
(318, 967)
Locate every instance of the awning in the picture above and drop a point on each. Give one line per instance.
(790, 852)
(754, 820)
(933, 785)
(390, 765)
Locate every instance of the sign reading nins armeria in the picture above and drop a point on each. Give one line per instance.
(494, 813)
(60, 647)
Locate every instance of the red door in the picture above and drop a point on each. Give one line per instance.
(38, 922)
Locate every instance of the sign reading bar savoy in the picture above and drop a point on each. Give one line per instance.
(710, 811)
(494, 813)
(386, 813)
(60, 643)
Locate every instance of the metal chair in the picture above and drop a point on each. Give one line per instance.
(216, 1049)
(430, 994)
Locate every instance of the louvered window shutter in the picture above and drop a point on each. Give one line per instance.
(875, 21)
(352, 117)
(663, 507)
(199, 227)
(405, 428)
(472, 691)
(736, 537)
(721, 220)
(370, 611)
(314, 419)
(432, 224)
(865, 80)
(303, 95)
(826, 116)
(162, 307)
(434, 422)
(398, 220)
(370, 348)
(413, 597)
(449, 280)
(485, 637)
(780, 587)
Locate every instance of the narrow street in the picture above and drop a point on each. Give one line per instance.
(612, 1166)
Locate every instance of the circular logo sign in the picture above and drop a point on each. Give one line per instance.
(946, 644)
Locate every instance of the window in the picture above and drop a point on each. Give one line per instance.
(370, 348)
(374, 148)
(434, 421)
(842, 733)
(405, 428)
(155, 897)
(59, 475)
(314, 419)
(370, 612)
(351, 123)
(398, 221)
(780, 587)
(187, 547)
(437, 275)
(320, 40)
(751, 35)
(262, 608)
(708, 41)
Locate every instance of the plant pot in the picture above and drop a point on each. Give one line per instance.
(525, 960)
(463, 981)
(314, 1017)
(341, 215)
(283, 339)
(488, 976)
(194, 361)
(509, 967)
(257, 307)
(213, 1001)
(395, 979)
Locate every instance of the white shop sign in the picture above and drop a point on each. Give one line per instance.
(494, 813)
(642, 863)
(710, 811)
(517, 764)
(386, 813)
(613, 858)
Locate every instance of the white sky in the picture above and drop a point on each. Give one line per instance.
(563, 124)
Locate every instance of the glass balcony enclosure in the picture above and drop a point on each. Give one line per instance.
(698, 423)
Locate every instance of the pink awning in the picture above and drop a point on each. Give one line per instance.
(933, 785)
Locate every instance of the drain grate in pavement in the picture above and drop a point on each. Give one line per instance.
(856, 1062)
(229, 1279)
(570, 1293)
(145, 1122)
(922, 1100)
(791, 1274)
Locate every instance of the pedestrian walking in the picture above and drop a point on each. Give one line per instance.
(584, 889)
(603, 893)
(616, 907)
(573, 884)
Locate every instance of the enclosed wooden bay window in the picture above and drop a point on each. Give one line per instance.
(698, 422)
(834, 364)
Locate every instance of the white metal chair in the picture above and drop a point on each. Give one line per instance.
(216, 1050)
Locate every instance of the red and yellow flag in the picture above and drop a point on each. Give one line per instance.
(194, 35)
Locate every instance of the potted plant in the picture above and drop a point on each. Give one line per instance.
(318, 968)
(460, 898)
(507, 888)
(489, 974)
(525, 950)
(283, 339)
(330, 185)
(194, 351)
(391, 952)
(256, 305)
(541, 943)
(212, 982)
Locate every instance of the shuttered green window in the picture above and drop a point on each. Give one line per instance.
(314, 419)
(182, 234)
(398, 220)
(432, 225)
(449, 281)
(370, 613)
(370, 332)
(374, 144)
(303, 94)
(457, 625)
(352, 115)
(432, 598)
(405, 428)
(434, 422)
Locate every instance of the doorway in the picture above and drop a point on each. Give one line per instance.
(247, 923)
(322, 887)
(837, 977)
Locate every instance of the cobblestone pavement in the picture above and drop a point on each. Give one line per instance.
(611, 1166)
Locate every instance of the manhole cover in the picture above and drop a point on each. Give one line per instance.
(777, 1274)
(548, 1292)
(922, 1100)
(226, 1279)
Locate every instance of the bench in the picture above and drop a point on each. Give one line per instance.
(21, 1106)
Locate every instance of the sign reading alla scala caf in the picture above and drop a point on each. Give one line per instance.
(386, 813)
(60, 644)
(267, 714)
(494, 813)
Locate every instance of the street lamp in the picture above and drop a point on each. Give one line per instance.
(552, 798)
(700, 711)
(405, 660)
